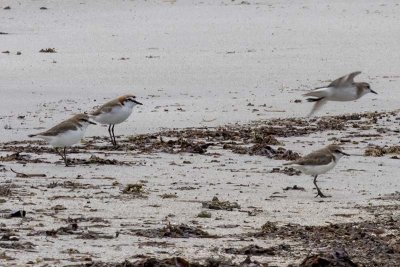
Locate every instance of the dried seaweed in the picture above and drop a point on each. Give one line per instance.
(177, 261)
(216, 204)
(286, 170)
(252, 250)
(339, 257)
(174, 231)
(135, 190)
(48, 50)
(378, 151)
(369, 242)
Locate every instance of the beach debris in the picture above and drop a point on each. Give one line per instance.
(338, 257)
(174, 231)
(169, 195)
(70, 229)
(72, 185)
(378, 151)
(20, 158)
(392, 196)
(254, 211)
(48, 50)
(151, 143)
(280, 153)
(26, 246)
(359, 238)
(58, 207)
(5, 190)
(18, 214)
(286, 170)
(191, 147)
(95, 235)
(265, 138)
(25, 175)
(269, 227)
(204, 214)
(295, 187)
(97, 160)
(149, 261)
(14, 157)
(263, 149)
(252, 250)
(135, 190)
(216, 204)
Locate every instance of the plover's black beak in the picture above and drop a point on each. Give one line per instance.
(372, 91)
(137, 102)
(344, 153)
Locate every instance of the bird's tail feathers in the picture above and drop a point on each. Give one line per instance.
(32, 135)
(319, 92)
(315, 99)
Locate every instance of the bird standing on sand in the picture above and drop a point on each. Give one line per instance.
(319, 162)
(115, 112)
(66, 133)
(342, 89)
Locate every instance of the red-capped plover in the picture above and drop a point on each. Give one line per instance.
(66, 133)
(342, 89)
(115, 112)
(319, 162)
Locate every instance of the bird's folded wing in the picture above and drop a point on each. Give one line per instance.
(315, 158)
(60, 128)
(345, 80)
(107, 107)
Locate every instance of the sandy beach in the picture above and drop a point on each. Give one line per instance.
(221, 85)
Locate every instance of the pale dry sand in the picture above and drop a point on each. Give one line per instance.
(210, 60)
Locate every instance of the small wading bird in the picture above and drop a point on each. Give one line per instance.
(115, 112)
(66, 134)
(342, 89)
(319, 162)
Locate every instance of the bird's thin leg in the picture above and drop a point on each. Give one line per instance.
(109, 131)
(319, 193)
(65, 157)
(115, 140)
(59, 153)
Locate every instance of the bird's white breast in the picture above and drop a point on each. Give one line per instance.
(67, 138)
(315, 169)
(117, 115)
(347, 93)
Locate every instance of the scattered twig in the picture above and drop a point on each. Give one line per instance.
(24, 175)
